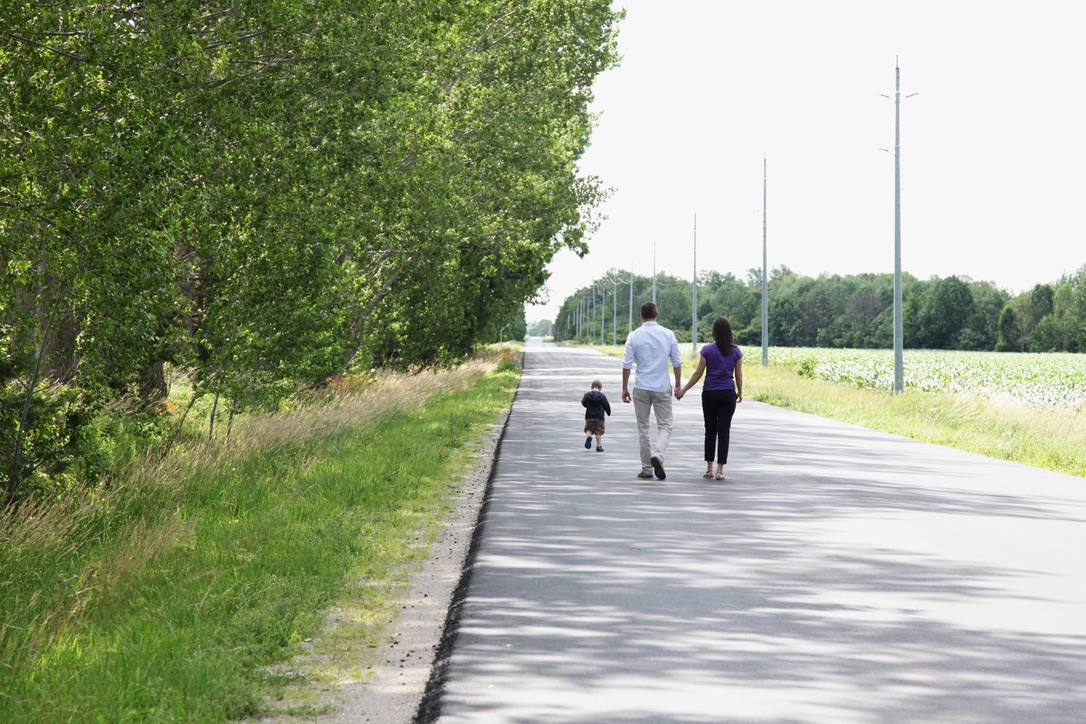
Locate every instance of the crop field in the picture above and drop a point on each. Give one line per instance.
(1035, 380)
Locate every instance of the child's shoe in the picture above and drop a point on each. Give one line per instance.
(599, 448)
(588, 443)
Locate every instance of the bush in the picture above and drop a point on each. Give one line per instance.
(806, 366)
(55, 442)
(509, 359)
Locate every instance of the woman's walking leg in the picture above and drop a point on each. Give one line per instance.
(709, 411)
(725, 411)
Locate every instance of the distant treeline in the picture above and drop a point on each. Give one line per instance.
(853, 311)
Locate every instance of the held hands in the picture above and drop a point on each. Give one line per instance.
(680, 393)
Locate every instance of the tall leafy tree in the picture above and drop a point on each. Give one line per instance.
(270, 190)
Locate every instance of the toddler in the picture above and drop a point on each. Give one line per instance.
(595, 403)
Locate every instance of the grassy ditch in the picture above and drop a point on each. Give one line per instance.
(172, 592)
(1043, 437)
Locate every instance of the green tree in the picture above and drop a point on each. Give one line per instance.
(1072, 308)
(944, 313)
(981, 330)
(266, 191)
(862, 312)
(1010, 333)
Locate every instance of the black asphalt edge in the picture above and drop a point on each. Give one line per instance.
(430, 706)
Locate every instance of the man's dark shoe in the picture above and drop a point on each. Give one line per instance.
(658, 467)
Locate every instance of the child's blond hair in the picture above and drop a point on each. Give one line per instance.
(597, 385)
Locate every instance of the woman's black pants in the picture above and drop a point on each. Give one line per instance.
(717, 406)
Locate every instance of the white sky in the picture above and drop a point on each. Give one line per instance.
(993, 148)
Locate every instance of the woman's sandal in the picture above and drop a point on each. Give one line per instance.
(720, 476)
(707, 475)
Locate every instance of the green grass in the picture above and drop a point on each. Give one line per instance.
(1043, 437)
(173, 594)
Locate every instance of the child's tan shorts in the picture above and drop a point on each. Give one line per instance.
(593, 427)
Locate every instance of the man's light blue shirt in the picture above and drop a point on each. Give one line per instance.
(651, 346)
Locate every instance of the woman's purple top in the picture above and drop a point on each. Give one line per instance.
(719, 370)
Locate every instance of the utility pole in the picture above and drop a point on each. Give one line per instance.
(593, 332)
(694, 298)
(765, 275)
(614, 304)
(580, 311)
(654, 271)
(631, 305)
(899, 327)
(582, 321)
(603, 312)
(595, 328)
(899, 315)
(614, 307)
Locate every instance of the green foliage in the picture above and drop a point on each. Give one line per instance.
(540, 328)
(1010, 333)
(509, 360)
(269, 191)
(56, 451)
(805, 367)
(943, 315)
(853, 311)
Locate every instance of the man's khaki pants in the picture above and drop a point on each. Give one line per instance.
(660, 402)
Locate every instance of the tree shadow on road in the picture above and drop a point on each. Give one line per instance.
(796, 591)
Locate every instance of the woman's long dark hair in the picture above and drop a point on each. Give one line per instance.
(722, 333)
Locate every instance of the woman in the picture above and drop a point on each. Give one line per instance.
(722, 364)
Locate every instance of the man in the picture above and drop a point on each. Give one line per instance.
(650, 346)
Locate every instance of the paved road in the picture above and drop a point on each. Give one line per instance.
(839, 575)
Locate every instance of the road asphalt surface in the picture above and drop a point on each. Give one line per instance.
(837, 575)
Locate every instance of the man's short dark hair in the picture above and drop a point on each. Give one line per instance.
(649, 311)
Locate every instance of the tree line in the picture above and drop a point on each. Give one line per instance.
(839, 311)
(266, 192)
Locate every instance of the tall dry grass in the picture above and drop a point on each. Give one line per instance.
(347, 404)
(64, 562)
